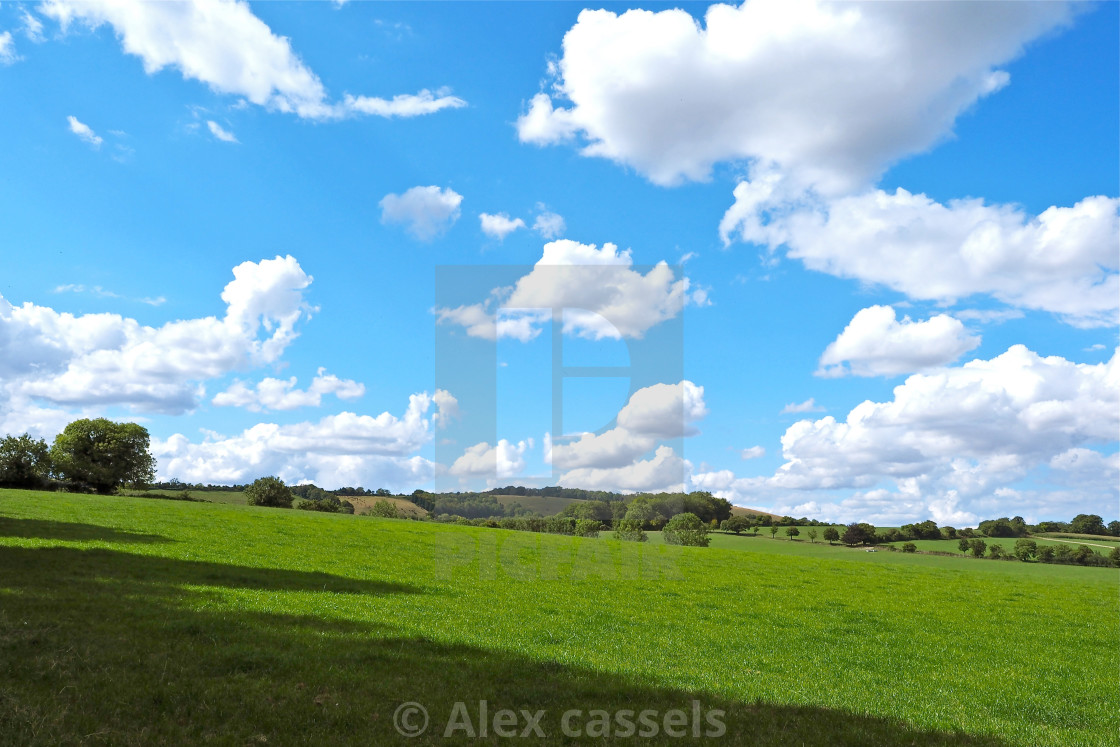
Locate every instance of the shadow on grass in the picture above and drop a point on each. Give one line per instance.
(68, 531)
(104, 647)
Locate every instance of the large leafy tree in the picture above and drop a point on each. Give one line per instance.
(686, 529)
(271, 491)
(103, 455)
(24, 462)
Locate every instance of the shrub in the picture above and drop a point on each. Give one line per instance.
(587, 528)
(686, 529)
(309, 505)
(995, 551)
(1045, 553)
(1114, 556)
(269, 491)
(909, 547)
(977, 546)
(630, 530)
(383, 509)
(1025, 549)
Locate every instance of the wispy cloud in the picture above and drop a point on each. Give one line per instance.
(99, 292)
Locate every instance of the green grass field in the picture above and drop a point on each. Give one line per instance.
(138, 621)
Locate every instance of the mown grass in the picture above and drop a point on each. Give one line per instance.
(133, 621)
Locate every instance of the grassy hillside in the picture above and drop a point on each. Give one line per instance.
(406, 508)
(545, 505)
(133, 621)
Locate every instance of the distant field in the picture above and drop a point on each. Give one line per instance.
(213, 496)
(541, 504)
(1097, 538)
(1008, 543)
(129, 621)
(405, 507)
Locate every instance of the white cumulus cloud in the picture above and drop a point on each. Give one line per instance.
(107, 359)
(1063, 260)
(876, 343)
(671, 97)
(603, 297)
(501, 461)
(222, 44)
(499, 225)
(426, 212)
(283, 394)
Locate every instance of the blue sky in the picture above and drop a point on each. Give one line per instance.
(889, 233)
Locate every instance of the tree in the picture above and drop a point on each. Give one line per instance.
(773, 532)
(24, 462)
(1114, 556)
(103, 455)
(686, 529)
(963, 545)
(1025, 549)
(856, 534)
(630, 530)
(977, 546)
(995, 551)
(792, 532)
(269, 491)
(736, 524)
(1087, 524)
(1114, 528)
(812, 534)
(831, 534)
(909, 547)
(1046, 553)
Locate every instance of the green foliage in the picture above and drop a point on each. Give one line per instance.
(24, 462)
(774, 531)
(977, 546)
(1114, 528)
(812, 534)
(1114, 556)
(686, 529)
(949, 533)
(269, 491)
(1025, 549)
(909, 547)
(963, 545)
(792, 532)
(630, 530)
(587, 528)
(1046, 553)
(831, 534)
(736, 524)
(995, 551)
(103, 455)
(858, 534)
(384, 510)
(924, 531)
(304, 504)
(1087, 524)
(1004, 527)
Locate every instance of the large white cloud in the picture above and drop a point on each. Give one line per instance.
(1063, 260)
(664, 472)
(107, 359)
(831, 92)
(612, 460)
(953, 442)
(499, 225)
(875, 343)
(338, 450)
(602, 295)
(222, 44)
(426, 212)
